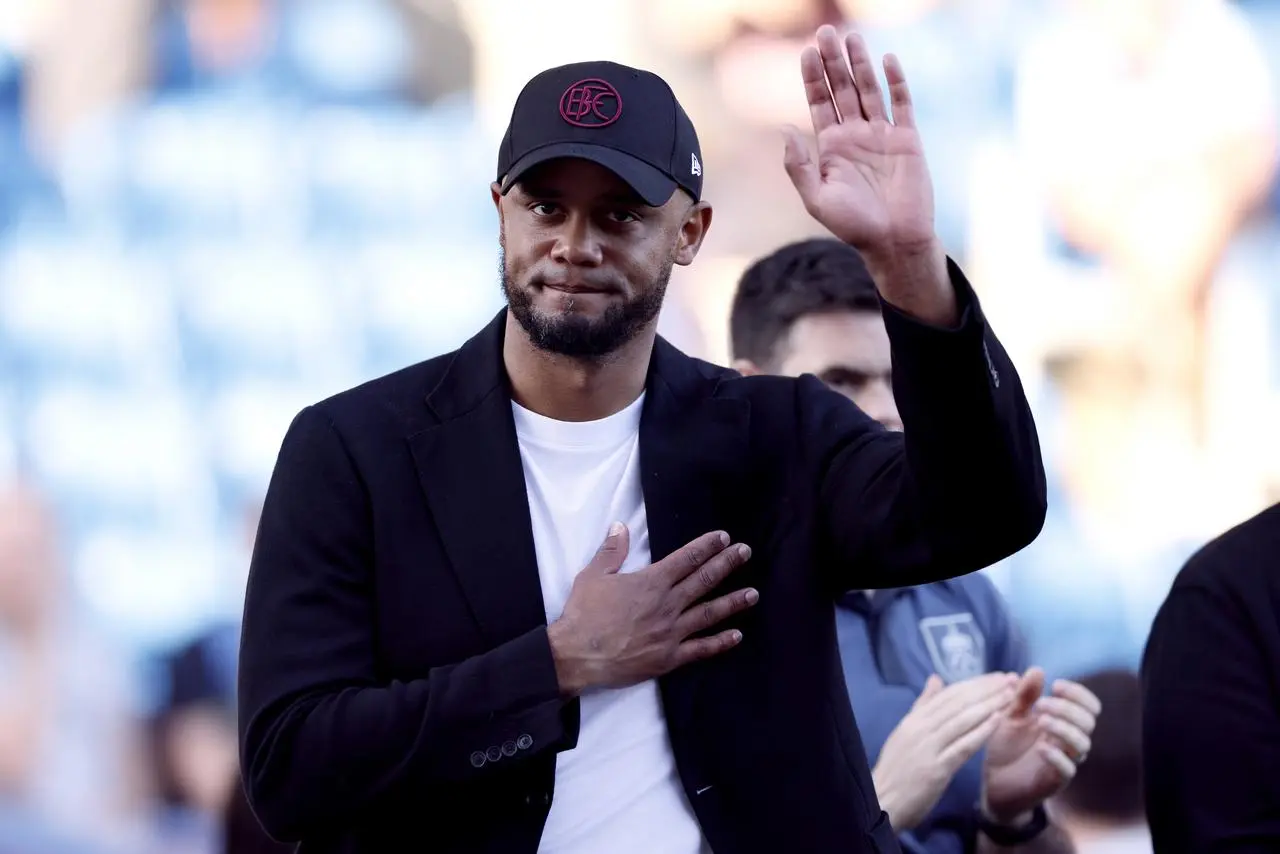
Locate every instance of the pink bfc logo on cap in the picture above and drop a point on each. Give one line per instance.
(591, 103)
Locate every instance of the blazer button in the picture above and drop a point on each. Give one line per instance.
(508, 748)
(478, 759)
(524, 742)
(494, 754)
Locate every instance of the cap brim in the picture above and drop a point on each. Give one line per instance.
(650, 184)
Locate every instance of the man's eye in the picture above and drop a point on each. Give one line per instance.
(543, 208)
(623, 216)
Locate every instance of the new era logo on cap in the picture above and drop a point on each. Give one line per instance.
(625, 119)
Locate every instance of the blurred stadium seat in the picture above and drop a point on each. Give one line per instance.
(127, 454)
(96, 313)
(423, 299)
(264, 310)
(192, 166)
(151, 584)
(244, 423)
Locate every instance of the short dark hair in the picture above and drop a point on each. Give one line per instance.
(1109, 785)
(815, 276)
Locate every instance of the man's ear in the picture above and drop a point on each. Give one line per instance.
(746, 367)
(693, 231)
(496, 189)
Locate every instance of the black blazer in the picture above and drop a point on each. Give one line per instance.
(394, 627)
(1211, 699)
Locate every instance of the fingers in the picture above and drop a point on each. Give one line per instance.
(822, 110)
(700, 648)
(955, 726)
(841, 84)
(866, 83)
(953, 698)
(1029, 689)
(709, 614)
(798, 161)
(1055, 757)
(683, 562)
(1078, 694)
(612, 553)
(904, 114)
(932, 687)
(840, 80)
(1072, 713)
(962, 749)
(1073, 740)
(710, 574)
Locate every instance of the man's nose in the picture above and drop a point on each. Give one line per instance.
(878, 402)
(578, 243)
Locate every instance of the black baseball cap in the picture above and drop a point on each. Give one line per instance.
(625, 119)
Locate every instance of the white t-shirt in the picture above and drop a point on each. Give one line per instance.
(618, 790)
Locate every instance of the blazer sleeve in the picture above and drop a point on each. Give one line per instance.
(1211, 728)
(961, 487)
(323, 738)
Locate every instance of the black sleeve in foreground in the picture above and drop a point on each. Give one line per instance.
(321, 739)
(1211, 729)
(962, 487)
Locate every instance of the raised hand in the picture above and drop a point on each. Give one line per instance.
(868, 183)
(618, 629)
(944, 729)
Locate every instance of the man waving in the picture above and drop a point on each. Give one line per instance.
(570, 590)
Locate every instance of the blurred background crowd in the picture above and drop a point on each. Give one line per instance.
(213, 212)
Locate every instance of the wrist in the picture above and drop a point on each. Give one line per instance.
(897, 816)
(1004, 817)
(1013, 821)
(569, 673)
(914, 279)
(891, 804)
(1011, 829)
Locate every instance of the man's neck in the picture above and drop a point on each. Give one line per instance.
(569, 389)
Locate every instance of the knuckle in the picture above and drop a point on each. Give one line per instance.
(693, 554)
(709, 616)
(707, 577)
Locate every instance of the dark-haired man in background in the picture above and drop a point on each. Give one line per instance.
(926, 667)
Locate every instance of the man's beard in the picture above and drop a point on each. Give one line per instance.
(577, 336)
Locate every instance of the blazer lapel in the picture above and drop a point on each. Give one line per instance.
(470, 469)
(693, 450)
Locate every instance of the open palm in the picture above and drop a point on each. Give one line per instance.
(868, 183)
